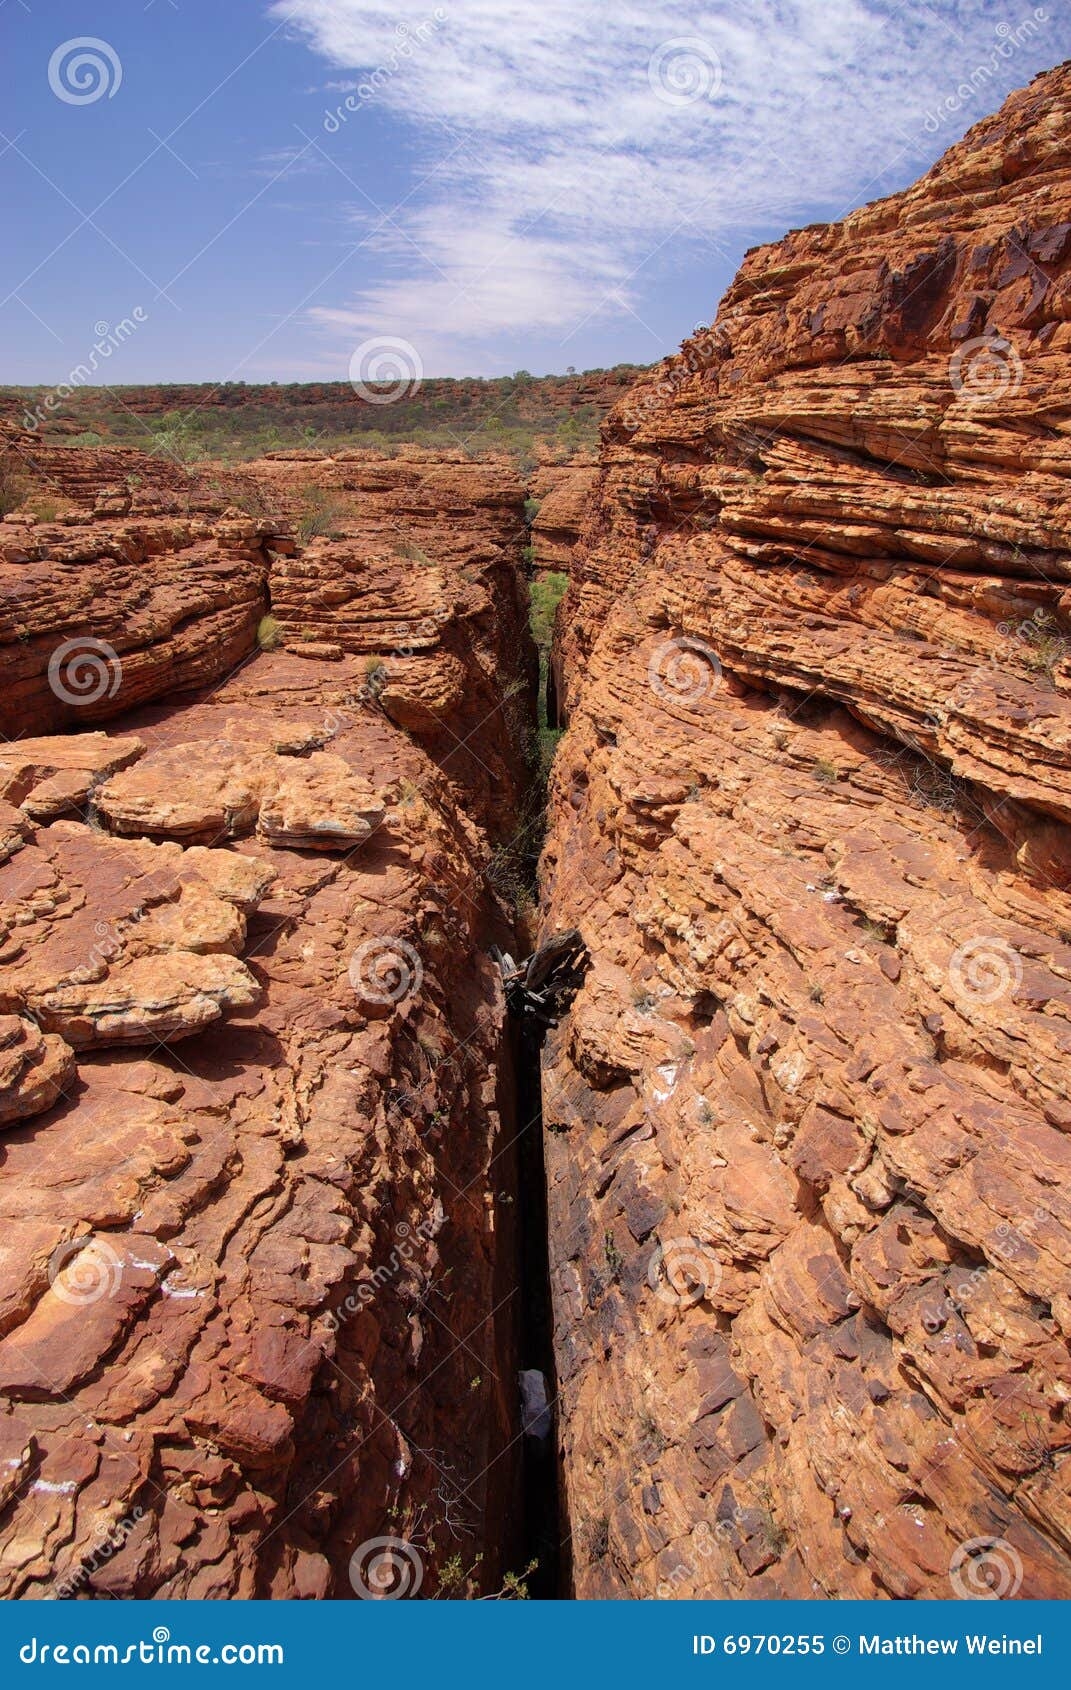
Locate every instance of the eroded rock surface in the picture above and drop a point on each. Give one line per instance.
(99, 614)
(808, 1120)
(257, 1286)
(563, 492)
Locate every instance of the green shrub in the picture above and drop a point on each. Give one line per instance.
(544, 598)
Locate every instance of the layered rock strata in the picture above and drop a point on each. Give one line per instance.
(808, 1154)
(99, 614)
(257, 1284)
(563, 493)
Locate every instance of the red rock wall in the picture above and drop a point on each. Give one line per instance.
(258, 1286)
(117, 583)
(808, 1155)
(564, 493)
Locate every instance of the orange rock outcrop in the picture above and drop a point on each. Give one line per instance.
(563, 493)
(258, 1294)
(808, 1121)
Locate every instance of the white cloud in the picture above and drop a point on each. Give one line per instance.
(564, 158)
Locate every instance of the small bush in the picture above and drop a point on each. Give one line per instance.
(269, 633)
(248, 499)
(599, 1538)
(319, 518)
(1044, 647)
(410, 551)
(544, 598)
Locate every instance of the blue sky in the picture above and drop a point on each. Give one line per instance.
(571, 182)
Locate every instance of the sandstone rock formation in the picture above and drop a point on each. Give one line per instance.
(563, 493)
(98, 615)
(808, 1153)
(418, 577)
(257, 1174)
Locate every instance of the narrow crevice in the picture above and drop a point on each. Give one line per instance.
(543, 1527)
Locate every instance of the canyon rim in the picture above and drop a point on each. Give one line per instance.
(574, 1104)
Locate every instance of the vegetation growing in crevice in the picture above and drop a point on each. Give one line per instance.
(545, 595)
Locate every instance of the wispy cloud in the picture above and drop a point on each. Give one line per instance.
(570, 148)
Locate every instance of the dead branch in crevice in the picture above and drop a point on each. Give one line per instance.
(540, 989)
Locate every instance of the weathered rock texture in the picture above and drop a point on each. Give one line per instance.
(98, 615)
(257, 1278)
(412, 567)
(563, 492)
(809, 1163)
